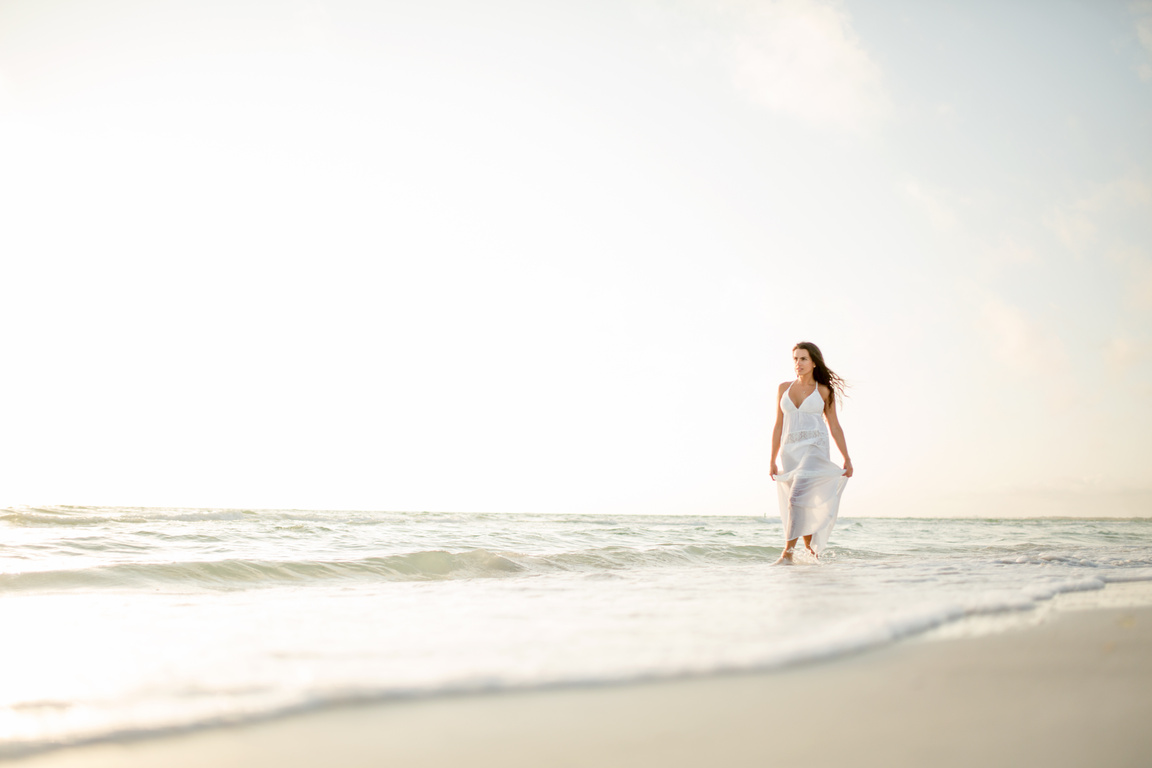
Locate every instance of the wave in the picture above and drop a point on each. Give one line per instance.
(88, 516)
(426, 565)
(240, 573)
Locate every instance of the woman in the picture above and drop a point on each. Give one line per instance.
(810, 485)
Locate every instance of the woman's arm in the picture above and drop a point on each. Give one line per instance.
(834, 427)
(778, 430)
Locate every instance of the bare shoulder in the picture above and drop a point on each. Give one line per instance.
(780, 389)
(825, 393)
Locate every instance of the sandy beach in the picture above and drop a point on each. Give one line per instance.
(1074, 689)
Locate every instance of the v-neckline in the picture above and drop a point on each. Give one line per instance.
(794, 403)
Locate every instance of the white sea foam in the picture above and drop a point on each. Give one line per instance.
(122, 621)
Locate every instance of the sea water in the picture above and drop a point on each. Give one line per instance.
(118, 622)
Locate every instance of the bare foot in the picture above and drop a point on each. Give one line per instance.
(785, 557)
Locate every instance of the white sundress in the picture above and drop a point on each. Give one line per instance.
(809, 484)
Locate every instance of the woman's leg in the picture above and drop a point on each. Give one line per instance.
(786, 555)
(808, 546)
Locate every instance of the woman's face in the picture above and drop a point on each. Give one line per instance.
(802, 361)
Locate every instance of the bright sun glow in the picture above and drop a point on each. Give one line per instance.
(554, 257)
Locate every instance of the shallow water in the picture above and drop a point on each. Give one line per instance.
(122, 621)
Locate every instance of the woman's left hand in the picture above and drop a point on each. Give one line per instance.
(847, 467)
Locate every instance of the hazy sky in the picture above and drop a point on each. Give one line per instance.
(517, 255)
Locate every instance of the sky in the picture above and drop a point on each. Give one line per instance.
(513, 256)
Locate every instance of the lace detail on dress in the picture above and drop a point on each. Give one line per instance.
(819, 435)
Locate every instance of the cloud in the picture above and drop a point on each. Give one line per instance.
(1073, 227)
(1143, 22)
(1122, 354)
(1076, 224)
(1010, 251)
(931, 202)
(1001, 258)
(1028, 348)
(803, 59)
(1136, 266)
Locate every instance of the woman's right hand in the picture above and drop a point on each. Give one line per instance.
(772, 471)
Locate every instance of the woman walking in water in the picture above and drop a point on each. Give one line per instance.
(810, 486)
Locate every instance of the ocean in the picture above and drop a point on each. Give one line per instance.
(121, 622)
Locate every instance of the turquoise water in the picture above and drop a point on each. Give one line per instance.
(134, 621)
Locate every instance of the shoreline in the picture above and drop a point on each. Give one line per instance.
(1062, 688)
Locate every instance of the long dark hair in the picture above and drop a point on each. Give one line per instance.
(823, 374)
